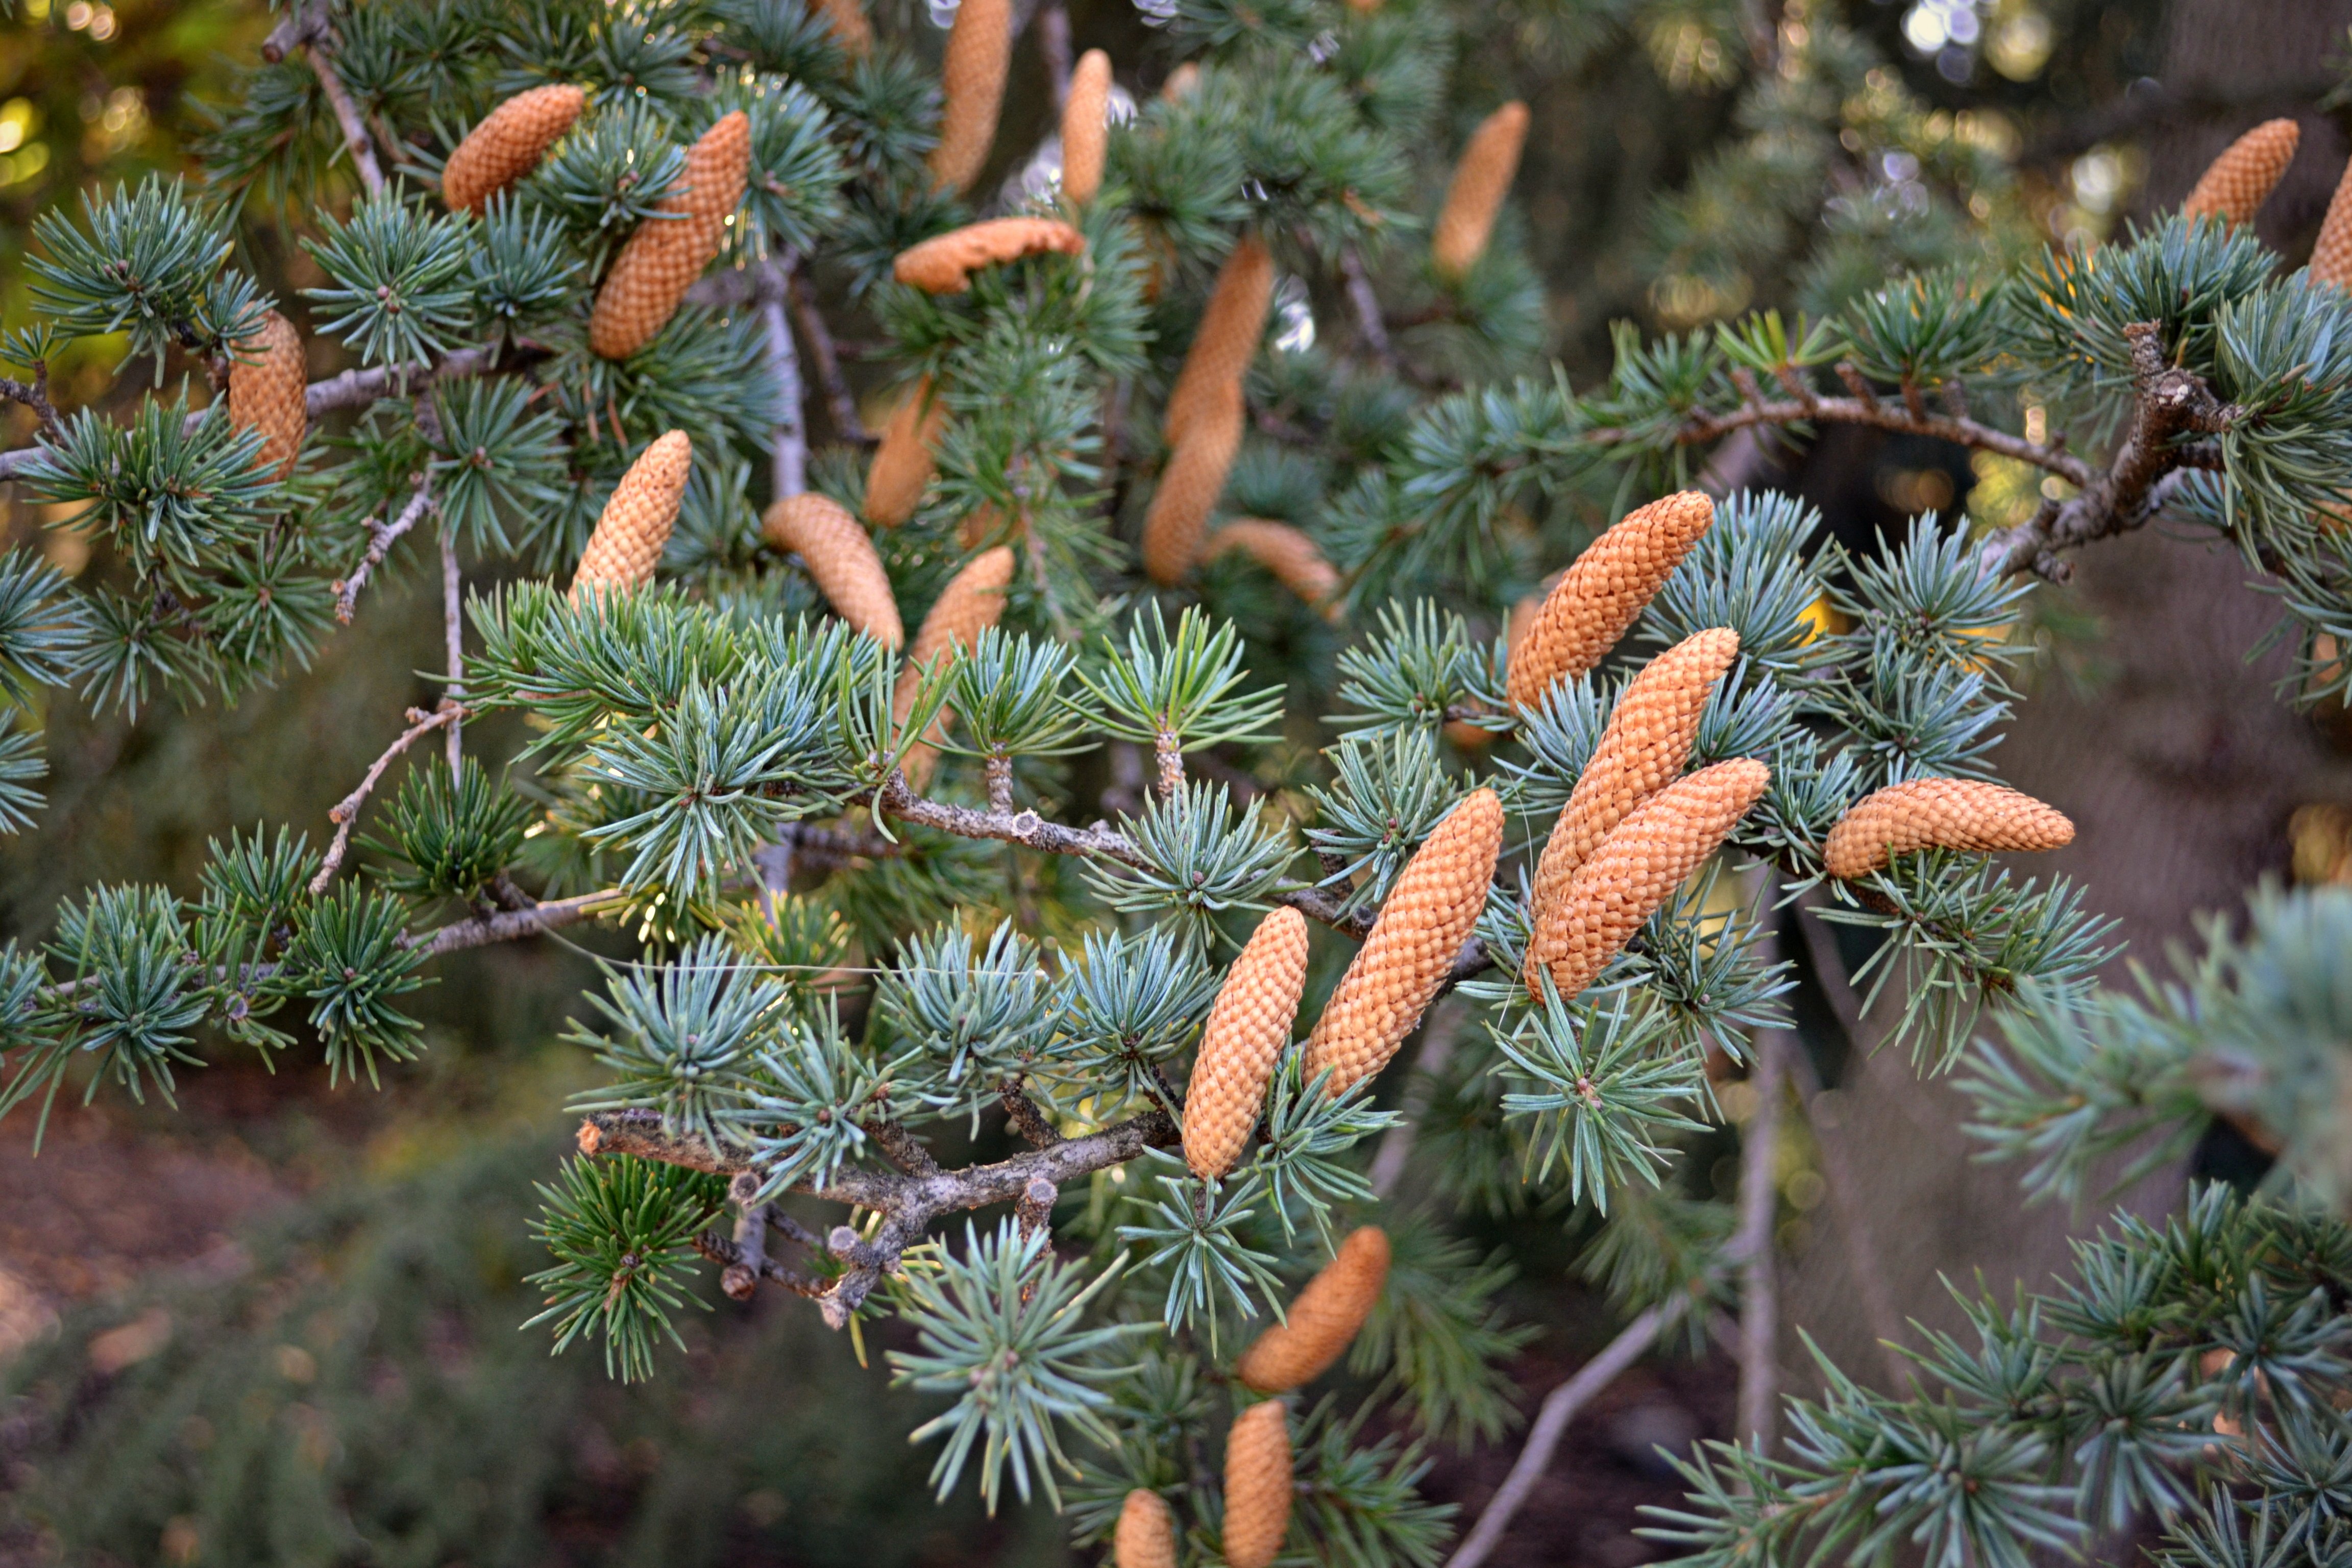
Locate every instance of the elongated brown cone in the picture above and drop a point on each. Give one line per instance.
(1642, 751)
(629, 537)
(1257, 1484)
(1637, 867)
(1178, 518)
(1086, 128)
(2331, 255)
(944, 263)
(1247, 1029)
(903, 463)
(1948, 814)
(972, 91)
(508, 144)
(846, 19)
(662, 259)
(1481, 180)
(840, 555)
(1288, 553)
(1430, 913)
(2240, 179)
(1147, 1533)
(267, 388)
(1180, 83)
(1324, 1319)
(1227, 341)
(969, 603)
(1603, 592)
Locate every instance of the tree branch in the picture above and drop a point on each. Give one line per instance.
(512, 924)
(347, 811)
(381, 536)
(356, 140)
(838, 401)
(1702, 428)
(1760, 1308)
(788, 447)
(453, 642)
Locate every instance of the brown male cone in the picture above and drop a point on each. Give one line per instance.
(1257, 1484)
(268, 392)
(1948, 814)
(1247, 1029)
(2331, 254)
(1481, 180)
(944, 263)
(1637, 867)
(508, 144)
(1147, 1533)
(846, 19)
(1178, 518)
(1643, 750)
(840, 555)
(972, 91)
(1323, 1319)
(636, 524)
(969, 603)
(2242, 178)
(1430, 913)
(1086, 128)
(902, 465)
(1603, 592)
(1226, 340)
(1287, 552)
(662, 259)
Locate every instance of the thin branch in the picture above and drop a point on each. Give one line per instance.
(1760, 1308)
(1026, 1118)
(512, 924)
(356, 140)
(357, 388)
(788, 447)
(453, 642)
(1367, 307)
(346, 811)
(1559, 1408)
(1703, 429)
(35, 395)
(740, 1269)
(838, 401)
(381, 536)
(1053, 43)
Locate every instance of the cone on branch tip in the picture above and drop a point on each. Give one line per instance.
(841, 558)
(972, 601)
(1226, 340)
(1257, 1484)
(1411, 948)
(972, 91)
(268, 384)
(634, 528)
(1178, 518)
(944, 263)
(1647, 741)
(508, 144)
(1324, 1319)
(1939, 813)
(1481, 180)
(2331, 254)
(1146, 1537)
(1639, 866)
(846, 20)
(1086, 128)
(2238, 182)
(1247, 1029)
(660, 261)
(903, 463)
(1604, 592)
(1289, 553)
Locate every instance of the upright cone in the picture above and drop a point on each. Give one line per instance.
(1247, 1029)
(1481, 180)
(662, 259)
(1086, 128)
(972, 91)
(630, 535)
(1178, 518)
(508, 144)
(1637, 867)
(268, 390)
(972, 602)
(1324, 1318)
(2243, 178)
(1226, 340)
(841, 557)
(1604, 592)
(1939, 813)
(1430, 914)
(1147, 1533)
(903, 464)
(1257, 1484)
(1643, 750)
(2331, 254)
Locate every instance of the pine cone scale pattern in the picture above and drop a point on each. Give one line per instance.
(1258, 1484)
(1945, 814)
(1086, 128)
(1489, 163)
(972, 601)
(1178, 518)
(841, 558)
(1248, 1027)
(1323, 1321)
(972, 91)
(1604, 592)
(636, 525)
(269, 388)
(2238, 182)
(903, 463)
(660, 260)
(1289, 553)
(944, 263)
(508, 144)
(1146, 1537)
